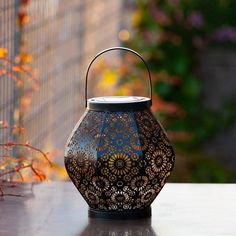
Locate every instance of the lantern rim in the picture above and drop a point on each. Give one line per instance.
(119, 103)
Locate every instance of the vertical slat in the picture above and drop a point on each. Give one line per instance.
(61, 37)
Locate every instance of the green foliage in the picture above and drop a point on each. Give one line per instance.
(169, 33)
(200, 168)
(208, 170)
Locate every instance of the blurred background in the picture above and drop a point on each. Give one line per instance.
(190, 47)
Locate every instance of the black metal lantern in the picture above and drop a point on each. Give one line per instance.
(118, 155)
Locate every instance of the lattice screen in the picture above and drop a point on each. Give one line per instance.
(61, 36)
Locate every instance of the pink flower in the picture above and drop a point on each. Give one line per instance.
(224, 33)
(195, 19)
(160, 16)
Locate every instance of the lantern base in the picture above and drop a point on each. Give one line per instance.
(121, 215)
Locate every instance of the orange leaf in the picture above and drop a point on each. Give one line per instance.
(25, 57)
(3, 72)
(25, 1)
(3, 52)
(23, 18)
(16, 68)
(25, 101)
(26, 67)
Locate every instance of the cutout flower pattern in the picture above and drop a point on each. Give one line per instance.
(130, 162)
(119, 164)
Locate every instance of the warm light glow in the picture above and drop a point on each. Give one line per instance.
(124, 35)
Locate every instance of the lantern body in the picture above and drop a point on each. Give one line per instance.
(119, 160)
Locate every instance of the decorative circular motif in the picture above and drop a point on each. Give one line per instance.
(112, 178)
(127, 206)
(154, 139)
(162, 174)
(119, 142)
(119, 183)
(139, 142)
(169, 166)
(91, 197)
(80, 162)
(165, 148)
(119, 123)
(135, 156)
(148, 196)
(120, 197)
(151, 147)
(105, 171)
(150, 172)
(119, 164)
(101, 142)
(146, 120)
(164, 138)
(104, 158)
(139, 183)
(127, 178)
(134, 170)
(159, 161)
(148, 155)
(112, 149)
(100, 183)
(155, 181)
(142, 163)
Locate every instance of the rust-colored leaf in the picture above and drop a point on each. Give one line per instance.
(23, 18)
(25, 2)
(9, 143)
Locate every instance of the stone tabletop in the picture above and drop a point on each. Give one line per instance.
(56, 208)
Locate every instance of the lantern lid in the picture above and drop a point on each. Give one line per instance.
(118, 103)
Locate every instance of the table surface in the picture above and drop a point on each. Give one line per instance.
(56, 208)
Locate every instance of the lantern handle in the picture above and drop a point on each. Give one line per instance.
(112, 49)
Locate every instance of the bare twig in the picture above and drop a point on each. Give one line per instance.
(10, 144)
(20, 66)
(14, 170)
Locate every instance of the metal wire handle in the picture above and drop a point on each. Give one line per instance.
(112, 49)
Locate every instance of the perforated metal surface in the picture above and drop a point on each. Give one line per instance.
(119, 160)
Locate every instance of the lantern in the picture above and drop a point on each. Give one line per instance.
(118, 155)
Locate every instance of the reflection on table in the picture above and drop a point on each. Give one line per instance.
(56, 208)
(101, 227)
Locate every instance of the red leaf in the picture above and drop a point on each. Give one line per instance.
(10, 143)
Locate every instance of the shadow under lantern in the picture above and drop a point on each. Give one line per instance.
(118, 155)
